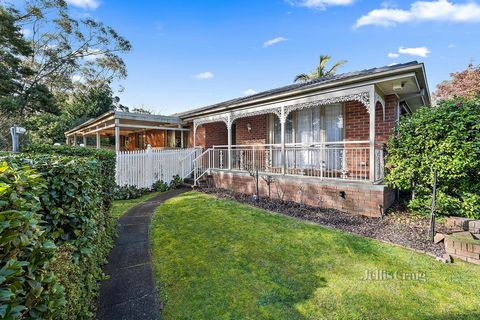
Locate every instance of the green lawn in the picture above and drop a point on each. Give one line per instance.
(120, 207)
(217, 259)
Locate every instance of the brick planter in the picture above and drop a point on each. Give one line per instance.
(463, 245)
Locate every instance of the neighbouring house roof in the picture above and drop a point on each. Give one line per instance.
(130, 118)
(327, 82)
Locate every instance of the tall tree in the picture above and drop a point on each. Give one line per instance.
(321, 70)
(13, 50)
(464, 84)
(57, 60)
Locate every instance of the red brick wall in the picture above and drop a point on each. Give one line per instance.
(357, 120)
(362, 199)
(215, 134)
(384, 129)
(258, 135)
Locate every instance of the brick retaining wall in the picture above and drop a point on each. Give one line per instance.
(363, 199)
(463, 247)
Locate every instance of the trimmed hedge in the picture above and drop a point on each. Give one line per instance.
(28, 289)
(74, 207)
(106, 158)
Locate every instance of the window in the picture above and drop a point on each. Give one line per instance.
(318, 125)
(314, 125)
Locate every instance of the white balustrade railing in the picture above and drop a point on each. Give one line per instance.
(142, 168)
(344, 160)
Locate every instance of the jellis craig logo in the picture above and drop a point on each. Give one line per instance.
(383, 275)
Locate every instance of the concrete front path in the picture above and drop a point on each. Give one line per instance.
(130, 291)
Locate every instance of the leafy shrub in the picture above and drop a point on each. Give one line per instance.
(75, 206)
(27, 288)
(133, 192)
(106, 158)
(129, 192)
(160, 186)
(445, 138)
(176, 182)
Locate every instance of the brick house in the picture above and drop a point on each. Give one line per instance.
(321, 142)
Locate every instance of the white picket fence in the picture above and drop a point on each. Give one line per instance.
(143, 168)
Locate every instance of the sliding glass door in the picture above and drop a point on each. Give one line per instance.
(314, 131)
(333, 133)
(319, 127)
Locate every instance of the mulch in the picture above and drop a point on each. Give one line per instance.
(396, 227)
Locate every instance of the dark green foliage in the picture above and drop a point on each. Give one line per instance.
(74, 203)
(129, 192)
(27, 288)
(160, 185)
(133, 192)
(445, 138)
(106, 158)
(176, 182)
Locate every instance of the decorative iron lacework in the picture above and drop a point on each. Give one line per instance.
(378, 98)
(362, 97)
(243, 114)
(220, 118)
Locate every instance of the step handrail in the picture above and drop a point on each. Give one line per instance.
(182, 161)
(196, 176)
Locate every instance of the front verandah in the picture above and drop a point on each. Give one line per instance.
(339, 148)
(131, 131)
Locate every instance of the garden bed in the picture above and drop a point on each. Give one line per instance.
(397, 227)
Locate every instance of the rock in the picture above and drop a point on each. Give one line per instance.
(457, 223)
(446, 258)
(467, 235)
(439, 237)
(476, 236)
(474, 226)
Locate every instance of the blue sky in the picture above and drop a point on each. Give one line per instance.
(188, 54)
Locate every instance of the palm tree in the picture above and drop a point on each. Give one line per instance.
(320, 71)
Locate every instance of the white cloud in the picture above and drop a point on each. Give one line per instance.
(419, 52)
(26, 32)
(440, 10)
(393, 55)
(85, 4)
(77, 78)
(249, 92)
(90, 54)
(273, 41)
(204, 75)
(319, 4)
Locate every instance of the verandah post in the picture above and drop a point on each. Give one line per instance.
(98, 138)
(282, 139)
(117, 135)
(372, 134)
(229, 133)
